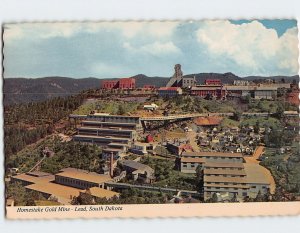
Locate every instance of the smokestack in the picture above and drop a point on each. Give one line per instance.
(111, 167)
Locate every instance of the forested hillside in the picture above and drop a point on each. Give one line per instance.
(23, 90)
(27, 123)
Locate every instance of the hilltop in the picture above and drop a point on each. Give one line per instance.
(24, 90)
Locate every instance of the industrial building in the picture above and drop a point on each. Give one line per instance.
(115, 133)
(225, 174)
(169, 91)
(123, 83)
(178, 80)
(81, 179)
(66, 184)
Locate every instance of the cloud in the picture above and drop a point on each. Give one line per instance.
(251, 45)
(156, 48)
(110, 49)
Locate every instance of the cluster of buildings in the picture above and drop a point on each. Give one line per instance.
(211, 88)
(225, 174)
(234, 139)
(67, 184)
(117, 135)
(214, 88)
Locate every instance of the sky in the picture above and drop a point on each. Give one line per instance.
(124, 49)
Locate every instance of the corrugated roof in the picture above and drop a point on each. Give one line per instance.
(192, 160)
(107, 123)
(222, 179)
(224, 165)
(84, 175)
(226, 186)
(57, 190)
(224, 172)
(212, 154)
(206, 88)
(99, 137)
(135, 165)
(169, 88)
(34, 179)
(105, 129)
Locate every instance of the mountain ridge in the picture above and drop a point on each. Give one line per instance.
(24, 90)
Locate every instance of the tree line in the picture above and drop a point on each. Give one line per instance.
(27, 123)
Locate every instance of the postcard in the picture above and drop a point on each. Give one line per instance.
(151, 119)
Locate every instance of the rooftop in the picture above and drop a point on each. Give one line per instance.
(192, 160)
(206, 88)
(222, 179)
(104, 129)
(223, 165)
(99, 137)
(57, 190)
(224, 172)
(107, 123)
(226, 185)
(100, 192)
(34, 179)
(135, 165)
(169, 88)
(38, 173)
(212, 154)
(84, 175)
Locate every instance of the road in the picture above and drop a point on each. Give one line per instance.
(191, 136)
(254, 159)
(189, 116)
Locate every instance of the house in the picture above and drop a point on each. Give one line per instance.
(178, 148)
(138, 171)
(142, 148)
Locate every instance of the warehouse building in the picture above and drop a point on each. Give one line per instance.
(81, 179)
(226, 175)
(169, 91)
(123, 83)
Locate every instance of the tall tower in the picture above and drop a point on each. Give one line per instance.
(176, 79)
(111, 166)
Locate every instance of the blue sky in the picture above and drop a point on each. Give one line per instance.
(123, 49)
